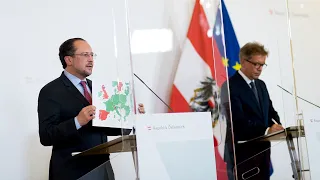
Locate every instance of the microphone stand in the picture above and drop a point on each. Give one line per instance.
(152, 91)
(299, 97)
(133, 129)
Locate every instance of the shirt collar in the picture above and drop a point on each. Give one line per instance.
(248, 81)
(74, 79)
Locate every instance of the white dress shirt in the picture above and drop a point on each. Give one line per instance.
(77, 83)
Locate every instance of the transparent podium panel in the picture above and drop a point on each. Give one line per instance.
(304, 36)
(264, 111)
(260, 158)
(113, 97)
(122, 151)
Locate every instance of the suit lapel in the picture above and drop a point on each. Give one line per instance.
(250, 97)
(74, 91)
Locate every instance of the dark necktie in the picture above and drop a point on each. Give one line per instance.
(254, 89)
(86, 92)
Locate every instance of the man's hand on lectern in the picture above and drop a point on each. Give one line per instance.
(275, 128)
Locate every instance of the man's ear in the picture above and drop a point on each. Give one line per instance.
(242, 62)
(68, 60)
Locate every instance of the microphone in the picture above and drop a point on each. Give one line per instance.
(299, 97)
(153, 92)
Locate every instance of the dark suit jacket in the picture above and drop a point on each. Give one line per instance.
(59, 102)
(249, 120)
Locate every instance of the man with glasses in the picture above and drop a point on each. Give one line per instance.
(252, 113)
(65, 112)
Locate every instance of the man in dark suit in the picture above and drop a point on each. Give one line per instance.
(252, 113)
(65, 113)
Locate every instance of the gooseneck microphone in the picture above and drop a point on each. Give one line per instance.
(153, 92)
(298, 97)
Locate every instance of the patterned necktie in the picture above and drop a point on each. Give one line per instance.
(86, 92)
(254, 89)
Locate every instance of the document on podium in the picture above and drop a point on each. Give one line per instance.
(312, 134)
(174, 146)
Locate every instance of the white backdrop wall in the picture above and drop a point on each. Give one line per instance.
(32, 32)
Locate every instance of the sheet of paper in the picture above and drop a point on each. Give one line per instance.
(112, 77)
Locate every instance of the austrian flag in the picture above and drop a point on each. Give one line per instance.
(201, 70)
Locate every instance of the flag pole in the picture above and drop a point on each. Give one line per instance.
(228, 90)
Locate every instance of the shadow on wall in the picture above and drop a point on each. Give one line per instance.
(37, 158)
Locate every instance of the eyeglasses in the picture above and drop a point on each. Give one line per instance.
(87, 55)
(257, 65)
